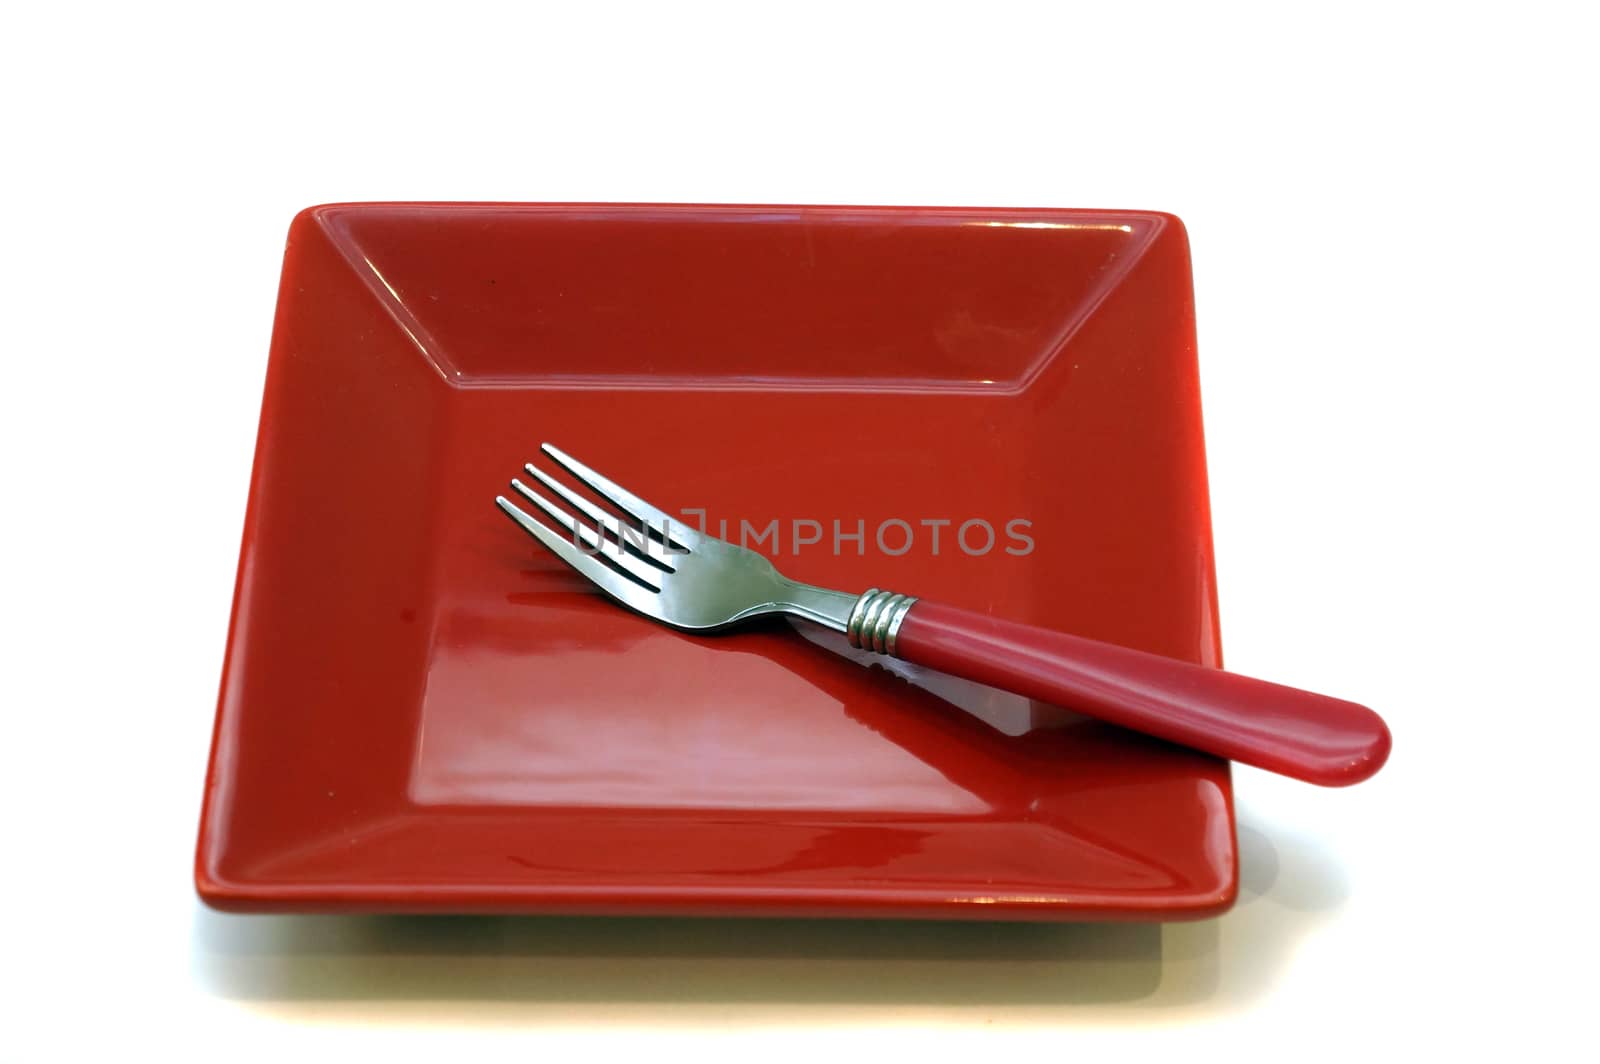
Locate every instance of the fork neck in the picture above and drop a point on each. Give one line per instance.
(820, 605)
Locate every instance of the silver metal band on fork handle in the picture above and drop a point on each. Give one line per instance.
(875, 620)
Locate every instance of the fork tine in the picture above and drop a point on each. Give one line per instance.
(599, 517)
(624, 499)
(639, 570)
(607, 579)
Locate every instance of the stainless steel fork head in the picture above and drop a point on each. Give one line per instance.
(680, 575)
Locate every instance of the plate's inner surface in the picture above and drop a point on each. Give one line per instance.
(423, 710)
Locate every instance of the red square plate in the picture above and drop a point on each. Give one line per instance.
(421, 710)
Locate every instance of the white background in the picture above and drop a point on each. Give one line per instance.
(1392, 210)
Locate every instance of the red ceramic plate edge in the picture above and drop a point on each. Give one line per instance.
(704, 901)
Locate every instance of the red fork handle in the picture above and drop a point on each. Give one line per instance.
(1308, 736)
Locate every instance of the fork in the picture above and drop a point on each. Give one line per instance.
(696, 582)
